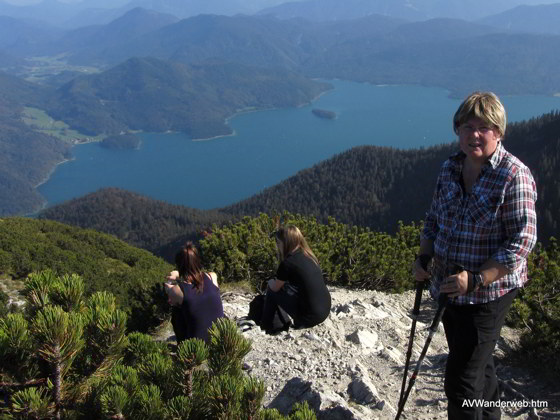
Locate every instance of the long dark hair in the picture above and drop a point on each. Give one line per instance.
(188, 264)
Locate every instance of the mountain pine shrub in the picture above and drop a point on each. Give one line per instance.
(537, 309)
(349, 256)
(68, 357)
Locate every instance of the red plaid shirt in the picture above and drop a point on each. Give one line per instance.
(496, 220)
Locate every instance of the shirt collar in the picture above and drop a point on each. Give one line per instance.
(497, 156)
(494, 160)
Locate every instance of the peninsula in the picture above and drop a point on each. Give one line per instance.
(125, 141)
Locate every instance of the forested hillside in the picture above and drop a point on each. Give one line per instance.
(104, 262)
(154, 95)
(26, 157)
(154, 225)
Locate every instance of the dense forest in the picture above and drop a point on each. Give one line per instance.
(123, 141)
(368, 186)
(154, 225)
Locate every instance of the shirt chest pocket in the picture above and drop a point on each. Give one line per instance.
(484, 208)
(448, 205)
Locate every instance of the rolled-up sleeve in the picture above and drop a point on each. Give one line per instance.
(519, 221)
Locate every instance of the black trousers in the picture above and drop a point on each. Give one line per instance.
(286, 299)
(472, 332)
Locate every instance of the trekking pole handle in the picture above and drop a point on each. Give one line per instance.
(424, 261)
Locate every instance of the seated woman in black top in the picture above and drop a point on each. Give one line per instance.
(299, 288)
(195, 297)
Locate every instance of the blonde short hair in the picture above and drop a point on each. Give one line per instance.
(483, 105)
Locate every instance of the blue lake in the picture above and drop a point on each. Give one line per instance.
(269, 146)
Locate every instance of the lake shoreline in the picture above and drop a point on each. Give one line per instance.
(271, 146)
(250, 111)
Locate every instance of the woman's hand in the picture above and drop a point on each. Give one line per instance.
(420, 274)
(455, 285)
(275, 284)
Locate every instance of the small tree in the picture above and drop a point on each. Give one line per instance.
(190, 355)
(58, 337)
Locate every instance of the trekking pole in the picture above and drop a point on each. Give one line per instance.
(442, 303)
(415, 313)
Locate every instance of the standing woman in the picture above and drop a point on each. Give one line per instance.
(482, 218)
(195, 297)
(299, 287)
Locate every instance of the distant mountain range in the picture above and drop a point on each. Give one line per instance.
(330, 10)
(544, 18)
(454, 54)
(94, 39)
(94, 12)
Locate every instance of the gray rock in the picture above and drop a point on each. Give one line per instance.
(362, 390)
(365, 339)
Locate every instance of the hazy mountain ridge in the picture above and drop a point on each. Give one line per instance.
(544, 18)
(407, 9)
(503, 63)
(252, 41)
(94, 12)
(375, 49)
(19, 37)
(91, 12)
(93, 40)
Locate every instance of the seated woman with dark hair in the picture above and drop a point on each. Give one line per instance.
(194, 295)
(299, 288)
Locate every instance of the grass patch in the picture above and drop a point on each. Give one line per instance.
(40, 121)
(40, 68)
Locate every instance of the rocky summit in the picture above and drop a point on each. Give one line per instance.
(351, 366)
